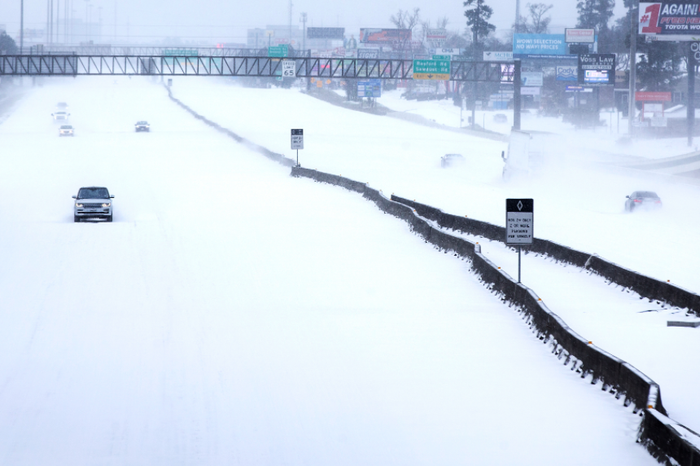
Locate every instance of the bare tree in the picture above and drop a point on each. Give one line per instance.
(538, 23)
(406, 20)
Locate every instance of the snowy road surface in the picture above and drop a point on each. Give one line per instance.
(576, 203)
(232, 314)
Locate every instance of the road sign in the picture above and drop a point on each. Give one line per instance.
(297, 139)
(369, 88)
(442, 57)
(519, 221)
(289, 69)
(278, 51)
(431, 69)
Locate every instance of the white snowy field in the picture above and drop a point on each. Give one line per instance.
(232, 314)
(605, 139)
(578, 204)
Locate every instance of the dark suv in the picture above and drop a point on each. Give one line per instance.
(92, 202)
(642, 199)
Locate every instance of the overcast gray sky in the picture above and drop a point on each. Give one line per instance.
(227, 21)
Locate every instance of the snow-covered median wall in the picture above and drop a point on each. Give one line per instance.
(644, 286)
(663, 437)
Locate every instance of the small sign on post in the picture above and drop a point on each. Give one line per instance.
(519, 224)
(297, 141)
(289, 69)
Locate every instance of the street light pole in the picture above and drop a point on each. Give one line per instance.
(633, 69)
(21, 26)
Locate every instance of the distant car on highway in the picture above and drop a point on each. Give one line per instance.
(642, 200)
(142, 126)
(500, 118)
(93, 203)
(65, 130)
(451, 160)
(60, 115)
(62, 106)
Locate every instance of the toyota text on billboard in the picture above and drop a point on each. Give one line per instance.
(669, 18)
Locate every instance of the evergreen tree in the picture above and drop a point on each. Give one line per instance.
(478, 15)
(596, 14)
(7, 45)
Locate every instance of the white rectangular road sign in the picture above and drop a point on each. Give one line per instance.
(519, 221)
(297, 139)
(289, 69)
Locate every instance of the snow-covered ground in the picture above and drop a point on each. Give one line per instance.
(577, 203)
(608, 138)
(232, 314)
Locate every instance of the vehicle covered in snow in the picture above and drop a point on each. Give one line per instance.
(60, 115)
(142, 126)
(93, 203)
(451, 160)
(646, 200)
(65, 130)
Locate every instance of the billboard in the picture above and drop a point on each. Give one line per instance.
(669, 18)
(532, 78)
(368, 53)
(580, 36)
(384, 36)
(567, 73)
(498, 56)
(539, 44)
(325, 33)
(596, 68)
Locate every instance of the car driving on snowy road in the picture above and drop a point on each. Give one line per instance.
(92, 202)
(142, 126)
(65, 130)
(57, 116)
(642, 200)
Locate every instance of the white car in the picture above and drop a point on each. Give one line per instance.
(92, 202)
(65, 130)
(60, 115)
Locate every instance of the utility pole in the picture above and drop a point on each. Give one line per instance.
(690, 115)
(21, 26)
(633, 67)
(290, 23)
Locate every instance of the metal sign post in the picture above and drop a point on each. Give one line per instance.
(519, 224)
(297, 141)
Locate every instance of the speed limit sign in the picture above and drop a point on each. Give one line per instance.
(289, 69)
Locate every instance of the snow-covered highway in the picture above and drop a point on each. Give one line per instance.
(232, 314)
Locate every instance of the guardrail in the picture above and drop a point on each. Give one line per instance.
(662, 436)
(646, 287)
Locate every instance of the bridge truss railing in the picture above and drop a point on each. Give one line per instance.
(306, 67)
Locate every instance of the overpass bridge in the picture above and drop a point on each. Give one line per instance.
(260, 66)
(272, 67)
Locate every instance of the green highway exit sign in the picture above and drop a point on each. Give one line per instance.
(278, 51)
(431, 69)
